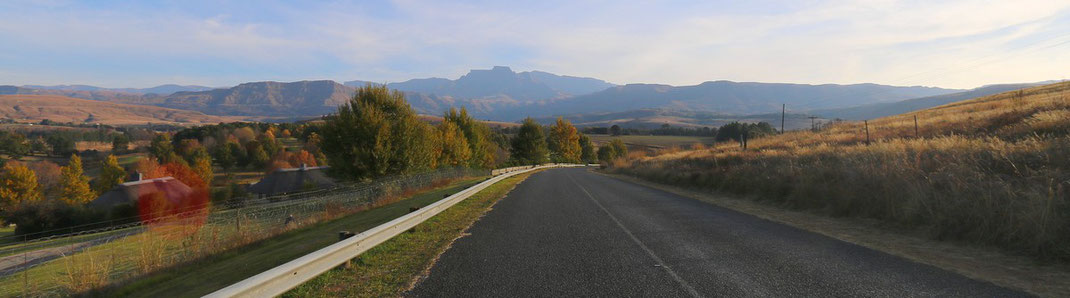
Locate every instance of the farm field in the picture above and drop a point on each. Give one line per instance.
(652, 142)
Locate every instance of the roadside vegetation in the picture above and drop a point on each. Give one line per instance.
(198, 278)
(393, 267)
(991, 171)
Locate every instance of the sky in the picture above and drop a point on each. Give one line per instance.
(951, 44)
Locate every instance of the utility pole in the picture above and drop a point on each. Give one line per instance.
(783, 110)
(867, 131)
(813, 126)
(916, 134)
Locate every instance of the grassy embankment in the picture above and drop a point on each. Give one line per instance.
(203, 277)
(139, 259)
(991, 171)
(394, 266)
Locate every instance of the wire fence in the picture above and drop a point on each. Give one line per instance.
(72, 263)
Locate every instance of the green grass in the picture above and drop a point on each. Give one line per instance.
(213, 273)
(391, 267)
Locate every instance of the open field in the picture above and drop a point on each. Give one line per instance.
(989, 171)
(205, 276)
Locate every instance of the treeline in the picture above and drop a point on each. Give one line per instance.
(377, 133)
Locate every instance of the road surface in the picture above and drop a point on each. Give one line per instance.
(569, 232)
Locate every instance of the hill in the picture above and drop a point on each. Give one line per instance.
(654, 118)
(34, 108)
(991, 170)
(261, 99)
(878, 110)
(503, 82)
(725, 97)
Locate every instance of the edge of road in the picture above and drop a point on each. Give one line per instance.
(980, 263)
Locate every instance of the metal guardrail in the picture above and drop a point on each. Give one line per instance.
(280, 279)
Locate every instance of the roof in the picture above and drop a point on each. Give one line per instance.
(129, 192)
(293, 180)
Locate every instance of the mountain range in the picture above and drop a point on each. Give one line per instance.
(502, 94)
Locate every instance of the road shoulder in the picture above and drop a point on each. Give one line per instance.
(987, 264)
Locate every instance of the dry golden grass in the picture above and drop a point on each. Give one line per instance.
(993, 170)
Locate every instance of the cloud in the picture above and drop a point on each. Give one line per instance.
(961, 43)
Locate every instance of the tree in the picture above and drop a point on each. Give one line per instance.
(120, 144)
(451, 147)
(612, 150)
(587, 154)
(202, 166)
(564, 142)
(162, 149)
(257, 157)
(529, 144)
(223, 157)
(18, 185)
(48, 177)
(614, 130)
(619, 148)
(735, 131)
(13, 144)
(376, 133)
(477, 135)
(74, 185)
(111, 174)
(61, 144)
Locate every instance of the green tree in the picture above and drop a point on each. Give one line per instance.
(451, 147)
(612, 150)
(529, 144)
(224, 157)
(564, 142)
(13, 144)
(376, 133)
(111, 174)
(162, 149)
(18, 185)
(256, 155)
(120, 144)
(614, 130)
(587, 154)
(74, 185)
(60, 144)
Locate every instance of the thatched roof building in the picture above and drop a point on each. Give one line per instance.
(292, 180)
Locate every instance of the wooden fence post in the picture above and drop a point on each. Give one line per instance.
(916, 134)
(867, 131)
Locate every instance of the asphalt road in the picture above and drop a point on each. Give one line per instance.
(569, 232)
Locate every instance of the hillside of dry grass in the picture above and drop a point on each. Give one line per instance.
(993, 170)
(34, 108)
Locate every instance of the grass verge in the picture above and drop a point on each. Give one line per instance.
(198, 278)
(397, 264)
(981, 263)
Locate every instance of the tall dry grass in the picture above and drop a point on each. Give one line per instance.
(993, 170)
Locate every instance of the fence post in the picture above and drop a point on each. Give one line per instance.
(916, 134)
(867, 131)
